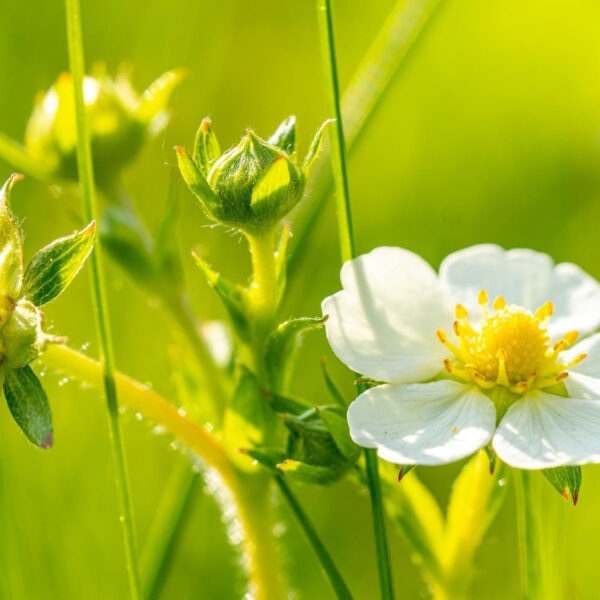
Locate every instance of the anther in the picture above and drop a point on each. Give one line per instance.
(448, 365)
(482, 297)
(575, 361)
(456, 328)
(560, 346)
(521, 387)
(544, 311)
(499, 303)
(571, 337)
(460, 311)
(441, 336)
(562, 376)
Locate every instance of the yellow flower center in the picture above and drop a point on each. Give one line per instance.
(510, 347)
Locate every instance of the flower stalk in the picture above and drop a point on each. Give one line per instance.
(88, 196)
(347, 249)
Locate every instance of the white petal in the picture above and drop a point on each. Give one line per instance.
(542, 431)
(383, 323)
(526, 278)
(422, 423)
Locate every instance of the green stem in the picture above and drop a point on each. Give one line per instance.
(90, 212)
(167, 527)
(390, 50)
(529, 552)
(338, 152)
(335, 579)
(347, 249)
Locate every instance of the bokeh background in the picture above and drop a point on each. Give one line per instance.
(490, 133)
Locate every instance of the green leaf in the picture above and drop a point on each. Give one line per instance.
(566, 481)
(11, 246)
(22, 335)
(197, 183)
(271, 192)
(249, 420)
(53, 268)
(306, 473)
(28, 405)
(206, 147)
(233, 297)
(285, 135)
(316, 144)
(280, 346)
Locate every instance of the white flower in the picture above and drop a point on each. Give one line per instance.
(458, 374)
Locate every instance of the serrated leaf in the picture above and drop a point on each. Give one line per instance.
(53, 268)
(285, 135)
(206, 147)
(315, 146)
(281, 344)
(28, 405)
(271, 192)
(197, 183)
(566, 481)
(233, 297)
(11, 245)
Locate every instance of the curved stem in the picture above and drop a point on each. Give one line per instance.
(248, 494)
(347, 249)
(335, 579)
(90, 213)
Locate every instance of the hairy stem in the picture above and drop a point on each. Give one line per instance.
(90, 212)
(248, 494)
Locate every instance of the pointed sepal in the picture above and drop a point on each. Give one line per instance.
(153, 107)
(28, 405)
(285, 135)
(316, 144)
(11, 246)
(22, 337)
(566, 481)
(206, 147)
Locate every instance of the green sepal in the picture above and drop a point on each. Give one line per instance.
(206, 147)
(331, 386)
(270, 194)
(53, 268)
(28, 405)
(566, 481)
(281, 403)
(11, 246)
(267, 457)
(197, 183)
(249, 420)
(285, 135)
(281, 344)
(233, 297)
(319, 439)
(315, 145)
(404, 470)
(22, 336)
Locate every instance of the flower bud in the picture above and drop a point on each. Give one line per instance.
(252, 185)
(119, 119)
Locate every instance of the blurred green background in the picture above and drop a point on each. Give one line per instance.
(490, 133)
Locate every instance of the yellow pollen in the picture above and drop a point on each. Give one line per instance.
(510, 347)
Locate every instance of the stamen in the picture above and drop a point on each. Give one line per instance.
(575, 361)
(545, 311)
(460, 311)
(571, 337)
(499, 303)
(444, 340)
(562, 376)
(456, 328)
(521, 387)
(560, 346)
(448, 365)
(482, 299)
